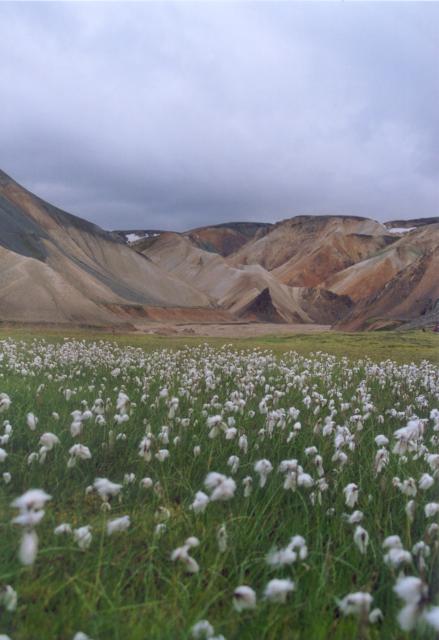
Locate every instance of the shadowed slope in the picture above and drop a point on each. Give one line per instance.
(85, 267)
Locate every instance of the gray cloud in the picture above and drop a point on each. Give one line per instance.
(176, 115)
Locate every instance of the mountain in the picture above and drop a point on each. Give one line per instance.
(398, 226)
(248, 292)
(229, 237)
(225, 238)
(399, 286)
(347, 271)
(56, 267)
(304, 250)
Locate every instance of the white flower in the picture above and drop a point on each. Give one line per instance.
(431, 509)
(433, 461)
(7, 477)
(5, 402)
(263, 468)
(425, 482)
(118, 524)
(146, 483)
(410, 510)
(392, 542)
(182, 554)
(29, 518)
(78, 451)
(281, 557)
(32, 457)
(298, 542)
(215, 424)
(277, 590)
(200, 503)
(248, 486)
(243, 443)
(49, 440)
(432, 617)
(351, 494)
(224, 491)
(222, 488)
(410, 589)
(162, 455)
(79, 635)
(28, 547)
(305, 480)
(202, 630)
(376, 615)
(32, 499)
(233, 463)
(244, 598)
(361, 539)
(356, 604)
(221, 536)
(397, 557)
(106, 488)
(31, 421)
(408, 616)
(3, 455)
(144, 448)
(354, 518)
(381, 460)
(83, 537)
(213, 480)
(9, 598)
(62, 529)
(122, 402)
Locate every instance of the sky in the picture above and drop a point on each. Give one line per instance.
(176, 115)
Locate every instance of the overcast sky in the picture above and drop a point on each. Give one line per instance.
(163, 115)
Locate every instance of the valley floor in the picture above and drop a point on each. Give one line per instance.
(234, 329)
(402, 347)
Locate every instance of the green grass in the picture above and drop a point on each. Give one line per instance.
(409, 346)
(125, 587)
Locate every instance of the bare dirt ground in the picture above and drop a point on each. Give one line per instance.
(231, 330)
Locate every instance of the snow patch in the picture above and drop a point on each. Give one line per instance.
(133, 237)
(401, 229)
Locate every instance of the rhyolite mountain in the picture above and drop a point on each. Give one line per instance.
(55, 267)
(351, 272)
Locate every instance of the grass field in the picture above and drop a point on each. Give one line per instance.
(301, 501)
(409, 346)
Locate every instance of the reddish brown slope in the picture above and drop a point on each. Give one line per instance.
(303, 251)
(399, 285)
(249, 292)
(227, 238)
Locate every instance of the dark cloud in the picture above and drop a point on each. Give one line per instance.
(176, 115)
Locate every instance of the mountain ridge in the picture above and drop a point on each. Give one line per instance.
(349, 271)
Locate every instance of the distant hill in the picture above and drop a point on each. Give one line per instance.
(352, 272)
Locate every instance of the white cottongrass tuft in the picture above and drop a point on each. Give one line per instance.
(277, 590)
(244, 598)
(117, 525)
